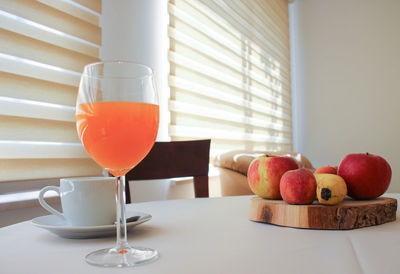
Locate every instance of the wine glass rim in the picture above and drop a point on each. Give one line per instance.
(148, 74)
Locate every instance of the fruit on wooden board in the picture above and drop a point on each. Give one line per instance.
(298, 186)
(265, 172)
(331, 189)
(367, 176)
(326, 169)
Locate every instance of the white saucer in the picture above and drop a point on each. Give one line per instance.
(60, 227)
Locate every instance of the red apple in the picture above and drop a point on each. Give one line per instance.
(265, 172)
(367, 176)
(326, 170)
(298, 187)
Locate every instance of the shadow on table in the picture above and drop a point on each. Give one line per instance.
(143, 232)
(139, 232)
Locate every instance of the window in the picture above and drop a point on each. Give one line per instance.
(44, 45)
(230, 73)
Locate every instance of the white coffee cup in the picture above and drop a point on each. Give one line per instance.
(85, 201)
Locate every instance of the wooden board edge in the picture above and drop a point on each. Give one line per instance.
(345, 217)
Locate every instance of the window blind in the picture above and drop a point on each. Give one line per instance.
(230, 73)
(44, 46)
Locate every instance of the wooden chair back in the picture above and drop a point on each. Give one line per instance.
(173, 160)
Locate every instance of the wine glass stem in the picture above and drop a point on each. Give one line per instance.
(122, 242)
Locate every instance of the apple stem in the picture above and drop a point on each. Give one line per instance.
(367, 153)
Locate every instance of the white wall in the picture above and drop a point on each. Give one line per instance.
(345, 73)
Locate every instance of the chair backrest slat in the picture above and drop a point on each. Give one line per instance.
(173, 160)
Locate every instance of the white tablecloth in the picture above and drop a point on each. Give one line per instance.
(210, 236)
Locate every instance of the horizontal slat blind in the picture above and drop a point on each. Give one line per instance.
(44, 46)
(230, 74)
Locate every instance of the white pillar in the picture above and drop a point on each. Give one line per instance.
(136, 30)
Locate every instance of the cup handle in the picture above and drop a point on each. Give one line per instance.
(44, 204)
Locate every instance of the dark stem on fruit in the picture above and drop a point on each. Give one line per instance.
(326, 193)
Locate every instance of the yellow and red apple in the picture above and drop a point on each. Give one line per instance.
(265, 172)
(326, 170)
(298, 187)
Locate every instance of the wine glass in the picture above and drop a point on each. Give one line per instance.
(117, 116)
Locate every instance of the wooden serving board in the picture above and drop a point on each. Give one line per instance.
(349, 214)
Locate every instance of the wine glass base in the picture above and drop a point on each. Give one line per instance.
(111, 257)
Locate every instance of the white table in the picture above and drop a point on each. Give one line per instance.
(210, 236)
